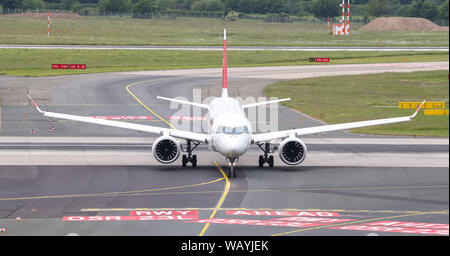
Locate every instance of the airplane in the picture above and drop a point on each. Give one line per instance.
(231, 132)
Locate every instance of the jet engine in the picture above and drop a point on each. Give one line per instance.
(166, 149)
(292, 151)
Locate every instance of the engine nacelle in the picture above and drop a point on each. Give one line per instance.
(166, 149)
(292, 151)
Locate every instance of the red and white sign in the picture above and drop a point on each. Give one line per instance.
(284, 213)
(421, 231)
(120, 218)
(163, 213)
(123, 117)
(322, 59)
(314, 219)
(68, 66)
(408, 224)
(60, 66)
(259, 222)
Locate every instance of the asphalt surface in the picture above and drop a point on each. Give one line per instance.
(78, 180)
(358, 148)
(42, 195)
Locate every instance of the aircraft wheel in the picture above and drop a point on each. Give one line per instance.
(271, 161)
(184, 160)
(261, 161)
(194, 161)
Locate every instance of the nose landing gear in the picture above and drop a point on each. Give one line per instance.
(232, 163)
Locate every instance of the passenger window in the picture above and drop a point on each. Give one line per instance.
(219, 129)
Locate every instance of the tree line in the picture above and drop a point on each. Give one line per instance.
(435, 10)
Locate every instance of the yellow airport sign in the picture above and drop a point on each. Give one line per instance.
(436, 112)
(427, 105)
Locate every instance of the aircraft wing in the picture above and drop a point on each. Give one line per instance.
(330, 128)
(250, 105)
(131, 126)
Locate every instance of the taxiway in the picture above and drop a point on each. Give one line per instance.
(84, 179)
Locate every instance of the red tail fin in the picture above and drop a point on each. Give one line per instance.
(224, 70)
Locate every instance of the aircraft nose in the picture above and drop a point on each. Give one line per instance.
(233, 152)
(235, 146)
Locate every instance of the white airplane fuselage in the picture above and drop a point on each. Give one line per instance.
(230, 128)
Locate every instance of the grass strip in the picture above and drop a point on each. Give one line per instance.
(351, 98)
(37, 62)
(115, 30)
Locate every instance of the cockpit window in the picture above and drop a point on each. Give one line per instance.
(232, 130)
(228, 130)
(239, 130)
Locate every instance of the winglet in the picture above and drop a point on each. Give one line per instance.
(34, 103)
(417, 111)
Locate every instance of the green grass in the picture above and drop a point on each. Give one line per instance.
(32, 62)
(191, 31)
(363, 97)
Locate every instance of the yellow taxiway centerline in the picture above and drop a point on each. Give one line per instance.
(149, 109)
(221, 200)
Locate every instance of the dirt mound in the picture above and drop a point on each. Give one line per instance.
(400, 23)
(42, 15)
(441, 28)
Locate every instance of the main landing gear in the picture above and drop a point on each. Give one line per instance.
(189, 158)
(266, 158)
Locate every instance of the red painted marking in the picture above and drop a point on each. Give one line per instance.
(313, 219)
(258, 222)
(285, 213)
(123, 117)
(408, 224)
(163, 213)
(421, 231)
(120, 218)
(187, 118)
